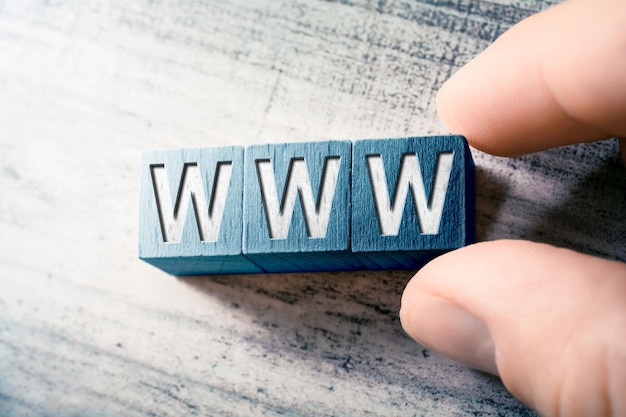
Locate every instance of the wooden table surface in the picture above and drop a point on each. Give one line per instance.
(87, 329)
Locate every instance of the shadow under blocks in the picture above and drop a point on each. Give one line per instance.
(295, 207)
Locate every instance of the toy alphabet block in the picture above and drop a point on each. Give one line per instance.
(412, 199)
(297, 206)
(318, 206)
(191, 206)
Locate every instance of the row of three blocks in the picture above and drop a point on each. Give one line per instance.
(317, 206)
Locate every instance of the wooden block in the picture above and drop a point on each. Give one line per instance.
(297, 206)
(191, 208)
(413, 198)
(319, 206)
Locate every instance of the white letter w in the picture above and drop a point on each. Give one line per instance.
(279, 215)
(191, 188)
(429, 211)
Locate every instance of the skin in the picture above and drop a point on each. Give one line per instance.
(549, 321)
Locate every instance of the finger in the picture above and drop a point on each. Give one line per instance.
(555, 78)
(549, 321)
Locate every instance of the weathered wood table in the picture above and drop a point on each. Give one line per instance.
(86, 329)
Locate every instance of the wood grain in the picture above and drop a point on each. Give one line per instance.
(88, 329)
(296, 211)
(434, 206)
(173, 235)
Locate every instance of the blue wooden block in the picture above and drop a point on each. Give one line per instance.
(374, 204)
(191, 208)
(297, 206)
(413, 198)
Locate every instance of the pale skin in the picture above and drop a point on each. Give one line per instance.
(550, 322)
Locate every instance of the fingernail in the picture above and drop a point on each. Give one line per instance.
(449, 329)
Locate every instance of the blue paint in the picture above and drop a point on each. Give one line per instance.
(316, 206)
(411, 245)
(189, 255)
(298, 248)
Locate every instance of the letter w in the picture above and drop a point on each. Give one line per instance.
(429, 211)
(279, 215)
(191, 188)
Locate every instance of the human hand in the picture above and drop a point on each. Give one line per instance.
(550, 322)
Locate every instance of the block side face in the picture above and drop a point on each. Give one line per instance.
(277, 217)
(399, 260)
(218, 175)
(205, 265)
(470, 195)
(309, 262)
(428, 156)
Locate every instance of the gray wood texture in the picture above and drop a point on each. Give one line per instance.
(86, 329)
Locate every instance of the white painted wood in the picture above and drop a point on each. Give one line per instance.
(173, 213)
(279, 206)
(410, 176)
(88, 329)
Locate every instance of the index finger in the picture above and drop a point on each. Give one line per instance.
(556, 78)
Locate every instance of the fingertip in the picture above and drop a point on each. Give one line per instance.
(481, 101)
(547, 316)
(533, 89)
(435, 319)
